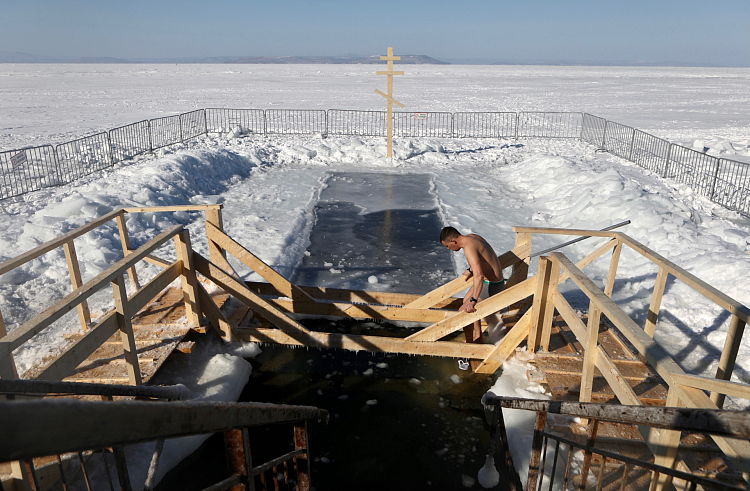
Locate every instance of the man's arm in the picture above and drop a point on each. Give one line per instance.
(475, 266)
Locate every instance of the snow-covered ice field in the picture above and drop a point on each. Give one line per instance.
(269, 185)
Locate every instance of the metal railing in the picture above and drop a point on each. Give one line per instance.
(63, 440)
(612, 467)
(724, 181)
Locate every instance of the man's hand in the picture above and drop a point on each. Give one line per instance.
(468, 306)
(467, 274)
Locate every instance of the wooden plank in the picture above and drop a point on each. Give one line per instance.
(362, 311)
(729, 355)
(612, 274)
(166, 209)
(126, 249)
(158, 283)
(157, 261)
(720, 298)
(375, 344)
(564, 231)
(483, 309)
(506, 346)
(616, 380)
(461, 283)
(84, 314)
(590, 352)
(124, 323)
(591, 257)
(653, 310)
(539, 304)
(189, 281)
(225, 329)
(263, 308)
(549, 307)
(56, 242)
(256, 264)
(352, 296)
(726, 387)
(41, 321)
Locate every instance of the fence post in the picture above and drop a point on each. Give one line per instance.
(205, 122)
(111, 153)
(518, 122)
(666, 163)
(179, 120)
(604, 136)
(265, 124)
(57, 166)
(716, 178)
(632, 144)
(150, 138)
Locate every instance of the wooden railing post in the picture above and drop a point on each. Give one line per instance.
(728, 356)
(610, 285)
(189, 280)
(549, 308)
(669, 441)
(540, 303)
(653, 310)
(590, 353)
(520, 270)
(214, 217)
(126, 249)
(302, 461)
(124, 316)
(75, 278)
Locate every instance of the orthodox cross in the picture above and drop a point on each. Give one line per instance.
(389, 96)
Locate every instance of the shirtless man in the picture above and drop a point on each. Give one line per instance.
(484, 268)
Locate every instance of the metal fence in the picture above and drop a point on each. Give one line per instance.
(726, 182)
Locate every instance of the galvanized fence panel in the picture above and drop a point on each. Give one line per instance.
(592, 129)
(130, 140)
(549, 125)
(422, 124)
(649, 152)
(165, 131)
(192, 124)
(81, 157)
(295, 122)
(357, 123)
(696, 169)
(485, 125)
(26, 170)
(618, 139)
(732, 188)
(219, 120)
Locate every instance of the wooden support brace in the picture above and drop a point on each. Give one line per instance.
(653, 310)
(224, 328)
(127, 250)
(189, 280)
(506, 346)
(540, 302)
(549, 308)
(75, 278)
(214, 217)
(124, 316)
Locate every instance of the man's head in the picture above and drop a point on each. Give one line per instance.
(448, 237)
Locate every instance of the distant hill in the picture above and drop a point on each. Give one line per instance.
(17, 57)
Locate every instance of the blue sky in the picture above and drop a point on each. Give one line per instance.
(673, 31)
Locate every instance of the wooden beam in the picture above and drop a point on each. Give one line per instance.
(483, 309)
(614, 262)
(591, 257)
(653, 310)
(166, 209)
(549, 308)
(726, 387)
(189, 281)
(126, 249)
(339, 295)
(507, 345)
(224, 328)
(256, 264)
(56, 242)
(589, 342)
(718, 297)
(540, 302)
(26, 331)
(564, 231)
(729, 356)
(125, 325)
(357, 311)
(84, 314)
(376, 344)
(242, 293)
(459, 284)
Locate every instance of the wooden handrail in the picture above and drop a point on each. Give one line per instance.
(160, 209)
(57, 242)
(563, 231)
(26, 331)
